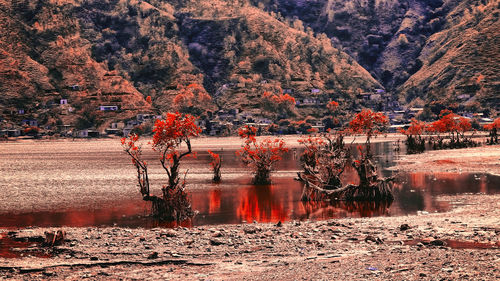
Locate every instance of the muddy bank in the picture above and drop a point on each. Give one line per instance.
(423, 246)
(484, 159)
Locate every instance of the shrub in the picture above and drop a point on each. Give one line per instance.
(262, 155)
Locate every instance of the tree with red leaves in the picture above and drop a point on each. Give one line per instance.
(282, 104)
(332, 105)
(261, 156)
(453, 125)
(415, 143)
(215, 164)
(369, 123)
(192, 99)
(493, 128)
(169, 135)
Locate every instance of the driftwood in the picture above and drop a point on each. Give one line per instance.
(322, 182)
(54, 238)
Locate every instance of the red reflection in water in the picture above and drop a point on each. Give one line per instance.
(236, 200)
(7, 246)
(340, 209)
(76, 217)
(214, 203)
(261, 204)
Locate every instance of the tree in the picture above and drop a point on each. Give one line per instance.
(415, 143)
(371, 186)
(282, 104)
(493, 128)
(215, 164)
(169, 135)
(261, 156)
(324, 160)
(192, 99)
(369, 123)
(453, 125)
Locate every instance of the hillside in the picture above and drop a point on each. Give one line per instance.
(461, 63)
(96, 53)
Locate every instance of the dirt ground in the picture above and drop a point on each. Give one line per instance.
(461, 244)
(484, 159)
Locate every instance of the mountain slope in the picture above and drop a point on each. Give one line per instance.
(118, 52)
(461, 63)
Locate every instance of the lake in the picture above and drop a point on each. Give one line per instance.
(93, 183)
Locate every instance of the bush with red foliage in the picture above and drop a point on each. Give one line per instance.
(415, 143)
(260, 155)
(215, 164)
(168, 136)
(332, 105)
(493, 128)
(31, 131)
(369, 123)
(455, 127)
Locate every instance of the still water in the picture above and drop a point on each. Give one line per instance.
(92, 183)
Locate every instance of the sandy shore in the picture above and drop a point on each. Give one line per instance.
(484, 159)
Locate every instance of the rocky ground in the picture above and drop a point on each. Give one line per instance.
(423, 246)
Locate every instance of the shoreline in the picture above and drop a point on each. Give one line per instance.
(483, 159)
(359, 248)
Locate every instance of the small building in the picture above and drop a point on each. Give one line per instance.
(30, 122)
(63, 101)
(13, 133)
(144, 117)
(20, 111)
(87, 133)
(315, 91)
(117, 125)
(108, 108)
(463, 97)
(287, 91)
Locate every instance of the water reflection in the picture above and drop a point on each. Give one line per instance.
(81, 189)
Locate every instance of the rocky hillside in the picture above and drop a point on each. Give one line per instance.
(414, 48)
(461, 63)
(119, 52)
(45, 59)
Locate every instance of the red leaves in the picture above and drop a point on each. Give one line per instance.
(416, 128)
(148, 100)
(216, 160)
(368, 122)
(332, 105)
(449, 122)
(192, 95)
(493, 125)
(248, 132)
(279, 99)
(176, 128)
(260, 155)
